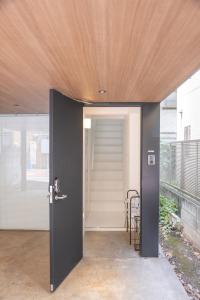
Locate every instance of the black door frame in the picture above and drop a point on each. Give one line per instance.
(150, 175)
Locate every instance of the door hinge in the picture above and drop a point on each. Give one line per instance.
(51, 287)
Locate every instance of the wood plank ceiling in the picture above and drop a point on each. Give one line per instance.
(136, 50)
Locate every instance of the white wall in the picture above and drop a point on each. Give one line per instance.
(24, 174)
(188, 107)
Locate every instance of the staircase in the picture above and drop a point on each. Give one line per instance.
(106, 205)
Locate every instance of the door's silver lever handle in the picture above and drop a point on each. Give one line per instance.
(60, 197)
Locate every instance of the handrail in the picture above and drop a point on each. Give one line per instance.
(131, 191)
(127, 207)
(129, 216)
(137, 196)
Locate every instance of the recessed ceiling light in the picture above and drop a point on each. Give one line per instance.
(102, 91)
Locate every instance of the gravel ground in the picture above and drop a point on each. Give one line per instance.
(185, 259)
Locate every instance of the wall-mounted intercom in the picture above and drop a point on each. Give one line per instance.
(151, 158)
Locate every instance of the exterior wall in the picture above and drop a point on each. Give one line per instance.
(188, 107)
(168, 123)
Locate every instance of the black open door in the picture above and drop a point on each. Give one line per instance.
(66, 144)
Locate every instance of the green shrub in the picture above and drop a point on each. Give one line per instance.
(167, 206)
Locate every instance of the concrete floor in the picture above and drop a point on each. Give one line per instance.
(103, 244)
(110, 270)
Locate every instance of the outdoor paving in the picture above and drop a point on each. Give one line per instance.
(24, 271)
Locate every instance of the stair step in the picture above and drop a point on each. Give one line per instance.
(108, 141)
(105, 219)
(108, 157)
(108, 149)
(108, 166)
(106, 206)
(111, 127)
(107, 185)
(106, 175)
(107, 196)
(109, 121)
(108, 134)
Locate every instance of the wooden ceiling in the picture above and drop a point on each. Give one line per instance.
(136, 50)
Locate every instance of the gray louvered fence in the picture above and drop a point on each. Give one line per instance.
(180, 166)
(180, 180)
